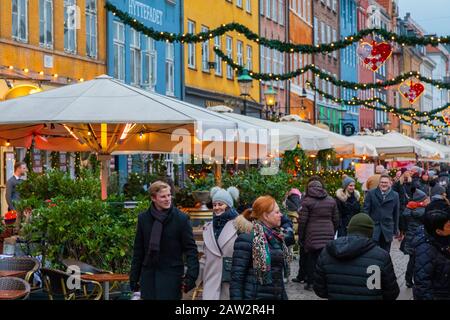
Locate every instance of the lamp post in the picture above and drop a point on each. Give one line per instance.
(245, 84)
(270, 95)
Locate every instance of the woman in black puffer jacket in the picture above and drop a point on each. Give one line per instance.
(260, 258)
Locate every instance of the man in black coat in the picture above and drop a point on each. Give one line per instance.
(432, 257)
(164, 234)
(382, 205)
(354, 267)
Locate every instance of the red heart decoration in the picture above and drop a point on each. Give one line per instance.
(411, 90)
(374, 55)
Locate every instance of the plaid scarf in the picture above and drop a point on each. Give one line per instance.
(262, 237)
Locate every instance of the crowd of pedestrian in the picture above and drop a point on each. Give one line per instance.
(344, 241)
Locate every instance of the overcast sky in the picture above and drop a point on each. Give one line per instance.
(432, 15)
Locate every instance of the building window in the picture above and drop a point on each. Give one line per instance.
(329, 36)
(329, 4)
(261, 7)
(70, 24)
(263, 59)
(135, 57)
(296, 79)
(316, 31)
(239, 3)
(275, 61)
(191, 46)
(268, 9)
(303, 12)
(20, 20)
(205, 52)
(282, 66)
(248, 6)
(91, 28)
(281, 12)
(170, 69)
(268, 60)
(240, 53)
(322, 30)
(300, 65)
(274, 10)
(46, 23)
(334, 5)
(249, 64)
(150, 64)
(119, 50)
(217, 59)
(308, 11)
(334, 40)
(293, 5)
(229, 47)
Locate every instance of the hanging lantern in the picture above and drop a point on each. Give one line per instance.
(374, 55)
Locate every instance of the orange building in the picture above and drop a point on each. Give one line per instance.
(47, 43)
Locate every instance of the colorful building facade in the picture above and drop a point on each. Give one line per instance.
(141, 61)
(273, 24)
(349, 66)
(301, 31)
(208, 80)
(48, 43)
(326, 30)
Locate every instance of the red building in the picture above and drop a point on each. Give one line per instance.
(273, 20)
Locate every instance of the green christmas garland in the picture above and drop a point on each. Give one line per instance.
(323, 75)
(270, 43)
(402, 113)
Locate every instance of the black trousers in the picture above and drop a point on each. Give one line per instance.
(410, 270)
(383, 244)
(301, 263)
(311, 261)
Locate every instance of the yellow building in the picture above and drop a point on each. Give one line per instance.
(208, 80)
(47, 43)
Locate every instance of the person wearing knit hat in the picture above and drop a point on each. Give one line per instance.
(219, 236)
(413, 216)
(347, 200)
(439, 200)
(343, 266)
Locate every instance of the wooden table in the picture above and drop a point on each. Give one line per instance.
(105, 279)
(12, 273)
(12, 294)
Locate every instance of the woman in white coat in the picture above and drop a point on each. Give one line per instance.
(219, 236)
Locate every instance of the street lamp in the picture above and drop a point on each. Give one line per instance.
(245, 85)
(270, 95)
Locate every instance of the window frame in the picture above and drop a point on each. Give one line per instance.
(249, 57)
(69, 31)
(136, 57)
(24, 12)
(205, 51)
(93, 17)
(120, 44)
(191, 55)
(229, 53)
(43, 27)
(218, 43)
(151, 55)
(170, 61)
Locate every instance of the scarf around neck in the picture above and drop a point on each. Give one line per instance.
(220, 221)
(155, 237)
(262, 237)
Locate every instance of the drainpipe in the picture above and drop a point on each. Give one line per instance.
(182, 73)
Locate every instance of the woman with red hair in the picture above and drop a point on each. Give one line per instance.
(261, 258)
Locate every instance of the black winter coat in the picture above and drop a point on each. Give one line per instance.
(413, 219)
(177, 239)
(293, 202)
(437, 203)
(244, 285)
(343, 271)
(431, 267)
(347, 206)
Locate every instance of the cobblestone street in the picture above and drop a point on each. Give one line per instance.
(295, 290)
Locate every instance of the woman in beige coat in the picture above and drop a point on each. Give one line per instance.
(219, 236)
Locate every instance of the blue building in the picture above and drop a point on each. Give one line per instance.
(141, 61)
(349, 63)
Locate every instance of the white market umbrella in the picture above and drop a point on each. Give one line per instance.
(344, 146)
(282, 136)
(105, 115)
(445, 150)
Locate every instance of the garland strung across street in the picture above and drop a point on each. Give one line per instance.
(323, 75)
(270, 43)
(407, 114)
